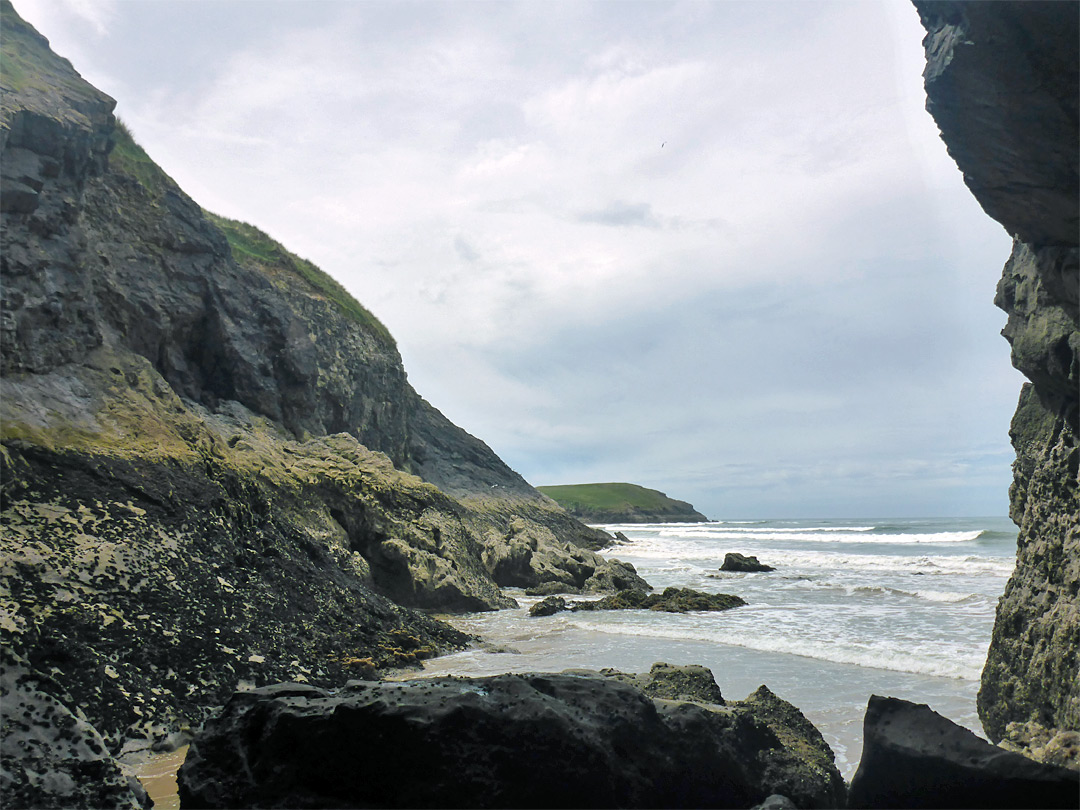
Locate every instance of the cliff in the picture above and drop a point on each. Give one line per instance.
(621, 503)
(1001, 82)
(214, 469)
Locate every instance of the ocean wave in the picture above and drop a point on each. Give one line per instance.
(803, 583)
(936, 662)
(793, 565)
(969, 565)
(713, 531)
(859, 535)
(930, 596)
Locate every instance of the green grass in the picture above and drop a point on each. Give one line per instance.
(614, 497)
(253, 248)
(127, 157)
(29, 69)
(33, 74)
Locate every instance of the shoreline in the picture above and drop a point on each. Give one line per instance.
(832, 695)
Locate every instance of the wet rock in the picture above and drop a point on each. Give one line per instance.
(913, 757)
(575, 739)
(672, 682)
(49, 756)
(776, 802)
(672, 600)
(550, 589)
(1061, 748)
(733, 561)
(549, 606)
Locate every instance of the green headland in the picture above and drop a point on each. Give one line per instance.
(621, 503)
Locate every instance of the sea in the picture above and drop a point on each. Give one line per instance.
(897, 607)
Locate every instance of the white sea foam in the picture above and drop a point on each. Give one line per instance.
(878, 656)
(923, 564)
(793, 560)
(714, 530)
(826, 536)
(885, 590)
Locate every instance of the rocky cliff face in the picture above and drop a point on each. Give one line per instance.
(1001, 82)
(214, 470)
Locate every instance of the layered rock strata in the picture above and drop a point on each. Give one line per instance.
(913, 757)
(1002, 84)
(575, 739)
(214, 470)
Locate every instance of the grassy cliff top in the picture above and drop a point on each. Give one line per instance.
(35, 79)
(129, 158)
(616, 501)
(252, 247)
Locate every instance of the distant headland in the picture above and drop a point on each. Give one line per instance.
(621, 503)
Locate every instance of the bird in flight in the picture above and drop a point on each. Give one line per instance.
(662, 145)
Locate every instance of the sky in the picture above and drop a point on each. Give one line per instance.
(713, 248)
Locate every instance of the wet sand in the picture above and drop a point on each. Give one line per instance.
(158, 775)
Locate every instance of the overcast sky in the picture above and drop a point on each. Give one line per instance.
(713, 248)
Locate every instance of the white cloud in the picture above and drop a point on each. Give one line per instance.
(794, 280)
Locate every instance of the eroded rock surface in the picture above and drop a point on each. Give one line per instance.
(914, 757)
(1002, 84)
(672, 600)
(575, 739)
(50, 757)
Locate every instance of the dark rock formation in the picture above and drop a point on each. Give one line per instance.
(914, 757)
(688, 682)
(50, 757)
(549, 606)
(672, 600)
(209, 451)
(1002, 84)
(733, 561)
(574, 739)
(550, 588)
(1061, 748)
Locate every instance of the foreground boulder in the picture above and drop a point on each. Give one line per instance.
(49, 756)
(733, 561)
(914, 757)
(574, 739)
